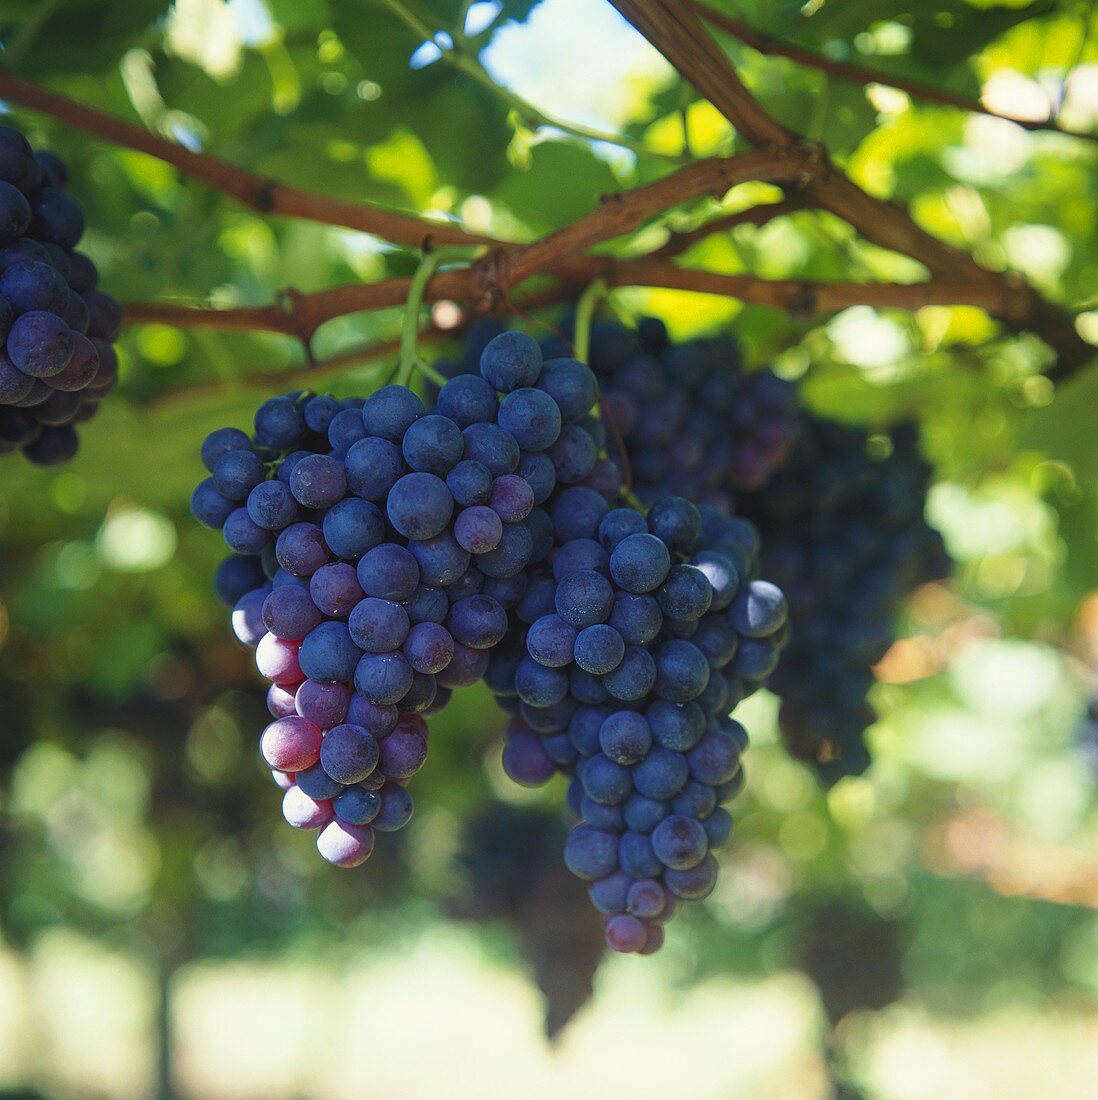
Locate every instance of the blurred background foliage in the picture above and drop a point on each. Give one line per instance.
(927, 929)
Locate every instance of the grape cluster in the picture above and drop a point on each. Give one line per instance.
(844, 535)
(376, 549)
(56, 329)
(626, 656)
(386, 553)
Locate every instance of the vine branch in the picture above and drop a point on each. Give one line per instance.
(487, 282)
(268, 196)
(625, 211)
(863, 74)
(800, 297)
(780, 156)
(674, 28)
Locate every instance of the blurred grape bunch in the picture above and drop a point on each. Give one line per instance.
(1086, 735)
(513, 873)
(56, 362)
(844, 535)
(693, 421)
(853, 956)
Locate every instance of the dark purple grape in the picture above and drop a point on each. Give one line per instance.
(32, 285)
(318, 481)
(335, 589)
(373, 467)
(15, 213)
(104, 315)
(40, 344)
(396, 808)
(378, 625)
(52, 447)
(531, 417)
(419, 505)
(58, 218)
(279, 423)
(329, 654)
(511, 360)
(478, 529)
(325, 705)
(390, 412)
(590, 853)
(403, 752)
(349, 753)
(301, 549)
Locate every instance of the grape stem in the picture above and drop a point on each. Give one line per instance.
(781, 156)
(676, 29)
(798, 297)
(417, 288)
(585, 313)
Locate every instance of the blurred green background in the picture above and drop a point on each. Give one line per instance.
(926, 930)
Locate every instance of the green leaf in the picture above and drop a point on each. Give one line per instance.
(565, 181)
(1064, 428)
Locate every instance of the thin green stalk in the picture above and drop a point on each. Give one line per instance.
(409, 332)
(585, 312)
(686, 96)
(433, 375)
(471, 67)
(461, 39)
(627, 319)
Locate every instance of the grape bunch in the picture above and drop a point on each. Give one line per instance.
(845, 537)
(56, 328)
(376, 549)
(627, 655)
(385, 553)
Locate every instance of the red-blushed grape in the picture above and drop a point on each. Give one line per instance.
(345, 845)
(276, 658)
(303, 812)
(625, 933)
(291, 744)
(281, 702)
